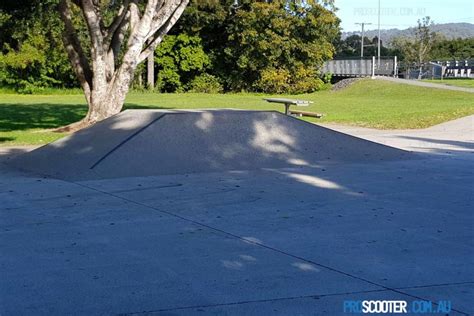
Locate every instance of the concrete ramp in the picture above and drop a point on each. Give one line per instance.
(157, 142)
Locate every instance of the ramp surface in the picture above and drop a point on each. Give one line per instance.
(157, 142)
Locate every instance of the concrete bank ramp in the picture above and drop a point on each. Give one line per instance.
(158, 142)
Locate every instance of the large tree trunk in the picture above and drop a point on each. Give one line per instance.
(106, 75)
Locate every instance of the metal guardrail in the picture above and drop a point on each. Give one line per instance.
(361, 67)
(388, 66)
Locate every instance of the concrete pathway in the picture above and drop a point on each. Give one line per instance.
(288, 241)
(450, 138)
(425, 84)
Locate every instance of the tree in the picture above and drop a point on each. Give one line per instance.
(31, 53)
(456, 49)
(262, 45)
(350, 47)
(416, 50)
(180, 58)
(121, 35)
(279, 46)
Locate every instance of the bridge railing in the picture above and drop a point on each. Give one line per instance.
(361, 67)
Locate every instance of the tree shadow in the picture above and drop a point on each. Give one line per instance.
(142, 143)
(463, 146)
(134, 106)
(353, 212)
(22, 116)
(6, 139)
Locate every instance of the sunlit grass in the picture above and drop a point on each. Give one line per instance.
(25, 119)
(466, 83)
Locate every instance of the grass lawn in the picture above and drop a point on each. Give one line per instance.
(465, 83)
(25, 119)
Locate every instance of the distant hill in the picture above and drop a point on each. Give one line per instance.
(449, 30)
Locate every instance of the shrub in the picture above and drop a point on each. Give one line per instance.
(205, 83)
(304, 80)
(301, 80)
(273, 80)
(180, 58)
(168, 81)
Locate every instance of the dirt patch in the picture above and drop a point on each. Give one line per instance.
(344, 83)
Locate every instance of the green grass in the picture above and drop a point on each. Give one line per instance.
(26, 119)
(465, 83)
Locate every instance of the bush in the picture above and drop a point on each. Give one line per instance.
(304, 80)
(205, 83)
(168, 81)
(180, 58)
(301, 80)
(274, 80)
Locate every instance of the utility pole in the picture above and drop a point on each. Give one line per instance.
(362, 24)
(378, 41)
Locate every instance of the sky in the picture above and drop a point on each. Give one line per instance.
(402, 14)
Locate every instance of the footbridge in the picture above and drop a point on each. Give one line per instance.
(389, 66)
(362, 67)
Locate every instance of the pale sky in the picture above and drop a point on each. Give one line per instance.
(402, 13)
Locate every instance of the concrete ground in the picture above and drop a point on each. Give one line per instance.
(288, 241)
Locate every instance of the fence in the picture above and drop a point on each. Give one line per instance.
(361, 67)
(389, 66)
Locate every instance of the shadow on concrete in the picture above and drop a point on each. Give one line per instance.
(146, 142)
(461, 145)
(362, 220)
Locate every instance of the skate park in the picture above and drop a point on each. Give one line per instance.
(228, 212)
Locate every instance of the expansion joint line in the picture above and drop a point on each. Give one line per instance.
(126, 140)
(262, 245)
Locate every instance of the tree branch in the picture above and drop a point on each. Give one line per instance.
(74, 49)
(117, 23)
(164, 13)
(163, 28)
(93, 21)
(135, 15)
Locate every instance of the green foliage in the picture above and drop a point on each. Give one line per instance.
(180, 58)
(25, 119)
(279, 47)
(206, 83)
(350, 47)
(32, 56)
(416, 49)
(453, 49)
(263, 46)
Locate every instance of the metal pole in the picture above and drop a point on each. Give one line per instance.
(373, 67)
(395, 67)
(362, 24)
(378, 44)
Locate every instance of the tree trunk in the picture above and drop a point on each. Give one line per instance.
(105, 99)
(420, 74)
(150, 72)
(107, 72)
